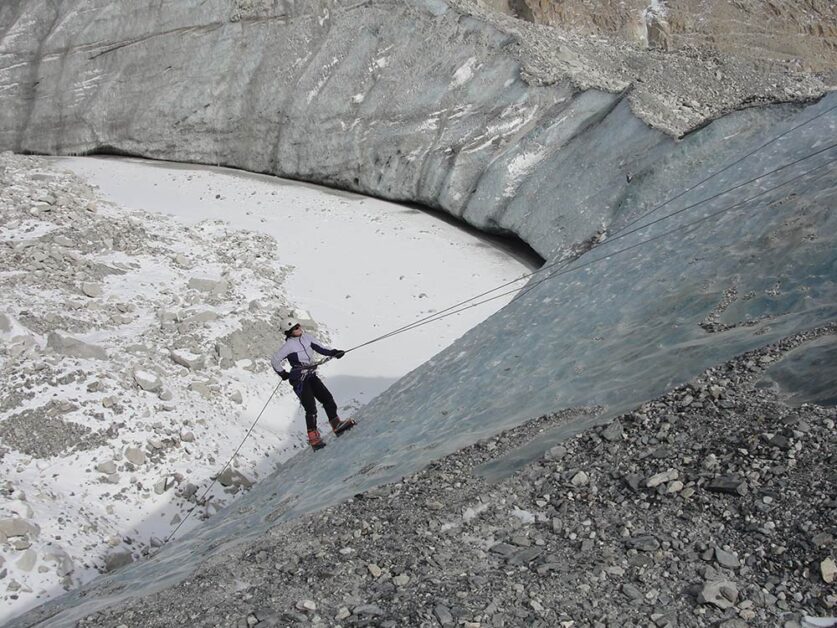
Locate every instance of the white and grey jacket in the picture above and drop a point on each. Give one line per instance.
(300, 353)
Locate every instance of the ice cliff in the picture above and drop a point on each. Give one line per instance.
(419, 102)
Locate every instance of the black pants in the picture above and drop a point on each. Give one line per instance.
(310, 391)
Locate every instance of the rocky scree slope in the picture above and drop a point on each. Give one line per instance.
(128, 346)
(712, 505)
(778, 34)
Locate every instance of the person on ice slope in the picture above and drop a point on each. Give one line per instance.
(300, 350)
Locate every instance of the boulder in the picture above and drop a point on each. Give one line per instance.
(27, 560)
(191, 361)
(162, 485)
(720, 593)
(202, 389)
(90, 289)
(613, 432)
(73, 347)
(135, 455)
(115, 560)
(106, 467)
(231, 477)
(147, 381)
(211, 286)
(828, 570)
(660, 478)
(16, 526)
(64, 564)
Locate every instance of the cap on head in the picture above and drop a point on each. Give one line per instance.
(289, 324)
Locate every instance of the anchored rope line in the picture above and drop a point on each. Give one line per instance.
(728, 166)
(563, 270)
(215, 479)
(621, 233)
(615, 233)
(694, 223)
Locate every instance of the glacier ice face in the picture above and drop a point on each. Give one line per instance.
(417, 102)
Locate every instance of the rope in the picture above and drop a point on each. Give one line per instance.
(563, 271)
(728, 166)
(215, 479)
(621, 233)
(669, 200)
(309, 367)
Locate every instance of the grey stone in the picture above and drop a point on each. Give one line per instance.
(525, 556)
(503, 549)
(823, 539)
(644, 543)
(135, 455)
(660, 478)
(115, 560)
(202, 389)
(213, 286)
(556, 453)
(580, 479)
(107, 468)
(632, 593)
(230, 477)
(443, 614)
(828, 570)
(27, 560)
(726, 559)
(73, 347)
(162, 485)
(613, 432)
(64, 564)
(14, 527)
(720, 593)
(730, 485)
(190, 360)
(63, 241)
(147, 380)
(91, 289)
(368, 610)
(225, 355)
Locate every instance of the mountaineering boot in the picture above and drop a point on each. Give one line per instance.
(314, 440)
(339, 426)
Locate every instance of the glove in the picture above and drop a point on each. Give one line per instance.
(339, 354)
(284, 375)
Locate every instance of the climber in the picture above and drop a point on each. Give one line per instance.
(299, 350)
